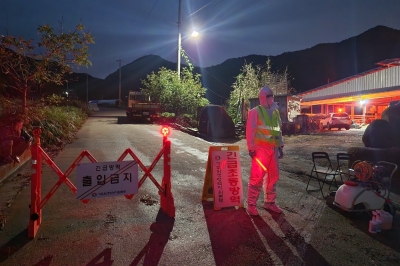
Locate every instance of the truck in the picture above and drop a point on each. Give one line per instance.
(141, 108)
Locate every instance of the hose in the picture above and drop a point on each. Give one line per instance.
(363, 170)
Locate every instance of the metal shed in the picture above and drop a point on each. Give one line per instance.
(363, 96)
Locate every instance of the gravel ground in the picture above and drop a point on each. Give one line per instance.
(298, 149)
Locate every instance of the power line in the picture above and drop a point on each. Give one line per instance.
(210, 76)
(201, 8)
(151, 9)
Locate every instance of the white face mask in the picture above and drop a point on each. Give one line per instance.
(265, 101)
(270, 101)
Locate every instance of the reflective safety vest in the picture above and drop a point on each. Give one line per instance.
(268, 130)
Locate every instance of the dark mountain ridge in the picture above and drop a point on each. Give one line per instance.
(134, 72)
(308, 68)
(318, 65)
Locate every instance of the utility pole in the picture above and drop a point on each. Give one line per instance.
(119, 88)
(87, 88)
(178, 64)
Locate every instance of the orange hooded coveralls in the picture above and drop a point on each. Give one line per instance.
(264, 136)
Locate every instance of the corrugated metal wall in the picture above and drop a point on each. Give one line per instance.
(367, 81)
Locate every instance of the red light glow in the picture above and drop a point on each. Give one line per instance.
(165, 131)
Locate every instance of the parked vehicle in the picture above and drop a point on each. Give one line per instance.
(140, 108)
(336, 120)
(108, 103)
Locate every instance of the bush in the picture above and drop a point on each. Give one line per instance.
(187, 121)
(59, 124)
(58, 118)
(167, 118)
(167, 115)
(184, 120)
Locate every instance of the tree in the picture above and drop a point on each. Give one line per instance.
(248, 83)
(27, 66)
(177, 95)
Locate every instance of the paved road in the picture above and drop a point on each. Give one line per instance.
(118, 231)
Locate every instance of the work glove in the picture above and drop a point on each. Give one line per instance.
(26, 136)
(252, 153)
(280, 156)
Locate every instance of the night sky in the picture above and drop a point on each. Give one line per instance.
(129, 29)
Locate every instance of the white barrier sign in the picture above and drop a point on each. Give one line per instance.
(227, 178)
(107, 179)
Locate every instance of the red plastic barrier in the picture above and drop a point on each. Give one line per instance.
(38, 155)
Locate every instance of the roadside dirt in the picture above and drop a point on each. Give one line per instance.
(13, 185)
(298, 148)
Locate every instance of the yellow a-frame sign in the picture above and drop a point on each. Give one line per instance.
(223, 179)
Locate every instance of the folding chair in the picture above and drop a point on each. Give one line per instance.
(322, 171)
(342, 169)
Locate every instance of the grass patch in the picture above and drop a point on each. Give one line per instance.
(58, 118)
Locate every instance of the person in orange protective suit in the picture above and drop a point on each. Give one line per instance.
(265, 144)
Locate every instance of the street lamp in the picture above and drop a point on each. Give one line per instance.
(193, 34)
(66, 92)
(178, 62)
(119, 86)
(87, 88)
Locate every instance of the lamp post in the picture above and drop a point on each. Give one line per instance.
(193, 34)
(119, 86)
(178, 62)
(87, 88)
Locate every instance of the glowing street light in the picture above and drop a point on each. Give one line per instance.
(178, 66)
(194, 34)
